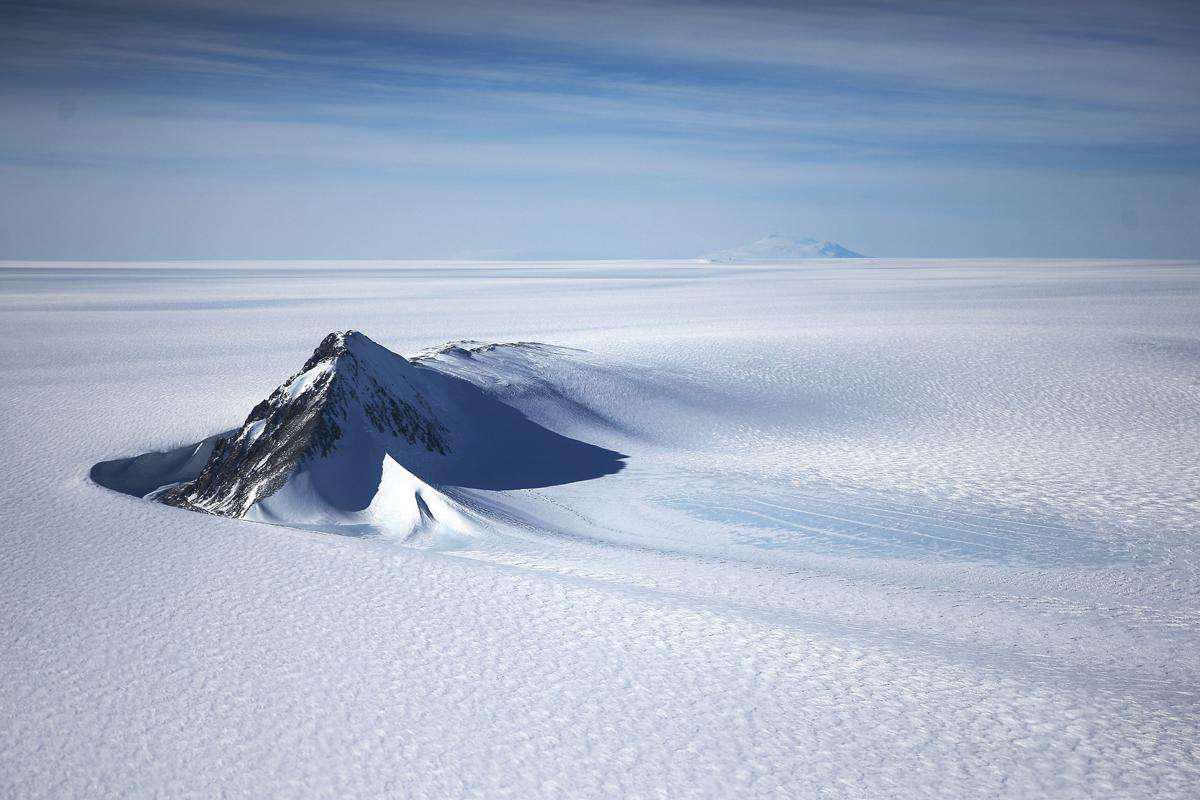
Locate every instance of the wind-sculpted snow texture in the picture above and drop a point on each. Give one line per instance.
(812, 530)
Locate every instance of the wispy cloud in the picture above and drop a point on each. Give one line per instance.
(721, 95)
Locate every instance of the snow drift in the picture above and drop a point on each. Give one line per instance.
(362, 439)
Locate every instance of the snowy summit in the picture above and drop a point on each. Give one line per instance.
(783, 248)
(334, 424)
(364, 440)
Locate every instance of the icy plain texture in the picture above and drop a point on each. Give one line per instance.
(885, 529)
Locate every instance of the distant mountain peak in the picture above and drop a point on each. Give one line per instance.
(778, 247)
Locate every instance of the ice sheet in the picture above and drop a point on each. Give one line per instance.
(885, 529)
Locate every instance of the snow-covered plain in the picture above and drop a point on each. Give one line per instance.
(885, 529)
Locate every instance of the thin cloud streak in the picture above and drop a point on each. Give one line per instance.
(731, 98)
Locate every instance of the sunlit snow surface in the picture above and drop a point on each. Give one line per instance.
(885, 529)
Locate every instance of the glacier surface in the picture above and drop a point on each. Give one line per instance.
(888, 528)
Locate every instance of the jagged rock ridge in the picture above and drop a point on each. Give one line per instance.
(349, 382)
(366, 442)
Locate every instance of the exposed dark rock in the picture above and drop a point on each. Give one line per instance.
(348, 376)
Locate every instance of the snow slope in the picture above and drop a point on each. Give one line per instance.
(783, 248)
(906, 530)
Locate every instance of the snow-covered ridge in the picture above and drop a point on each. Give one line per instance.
(469, 348)
(780, 248)
(349, 382)
(362, 439)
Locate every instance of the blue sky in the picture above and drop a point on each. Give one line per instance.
(214, 129)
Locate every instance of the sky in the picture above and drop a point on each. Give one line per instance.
(565, 129)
